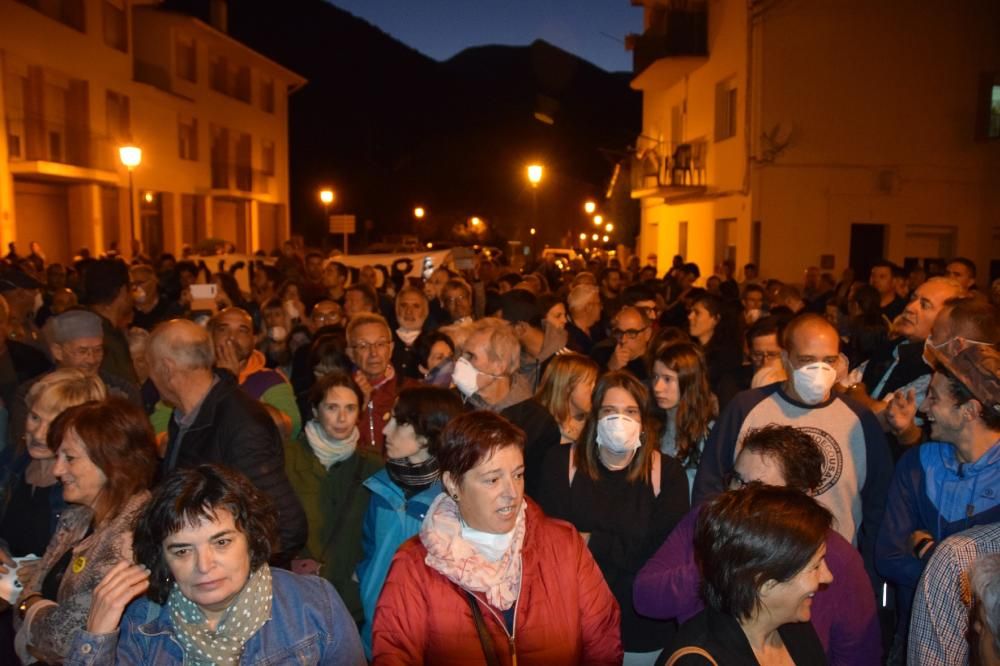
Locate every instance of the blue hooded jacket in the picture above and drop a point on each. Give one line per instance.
(390, 520)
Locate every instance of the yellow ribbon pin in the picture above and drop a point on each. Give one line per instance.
(79, 563)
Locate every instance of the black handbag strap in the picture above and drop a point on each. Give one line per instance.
(489, 651)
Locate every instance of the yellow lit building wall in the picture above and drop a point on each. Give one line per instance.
(860, 113)
(66, 201)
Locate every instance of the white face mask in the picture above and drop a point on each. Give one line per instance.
(277, 333)
(813, 382)
(619, 434)
(465, 377)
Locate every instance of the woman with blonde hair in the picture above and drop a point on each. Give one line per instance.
(30, 494)
(565, 391)
(622, 495)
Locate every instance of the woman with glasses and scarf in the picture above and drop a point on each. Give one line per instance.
(404, 489)
(622, 495)
(327, 468)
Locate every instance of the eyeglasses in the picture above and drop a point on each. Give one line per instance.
(734, 481)
(765, 356)
(364, 347)
(628, 334)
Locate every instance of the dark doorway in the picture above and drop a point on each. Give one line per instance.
(151, 222)
(867, 247)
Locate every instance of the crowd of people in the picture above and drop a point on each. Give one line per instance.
(289, 460)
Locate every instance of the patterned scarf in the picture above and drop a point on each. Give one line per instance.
(327, 449)
(460, 562)
(248, 613)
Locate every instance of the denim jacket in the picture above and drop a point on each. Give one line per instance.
(309, 624)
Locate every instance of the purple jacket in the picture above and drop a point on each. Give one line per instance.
(843, 614)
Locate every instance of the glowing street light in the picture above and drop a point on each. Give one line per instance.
(594, 237)
(131, 157)
(419, 213)
(598, 220)
(605, 239)
(326, 196)
(589, 207)
(609, 227)
(535, 174)
(583, 237)
(532, 232)
(475, 221)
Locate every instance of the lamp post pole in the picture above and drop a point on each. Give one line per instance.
(131, 205)
(534, 177)
(131, 157)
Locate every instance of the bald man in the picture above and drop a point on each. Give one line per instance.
(857, 466)
(216, 422)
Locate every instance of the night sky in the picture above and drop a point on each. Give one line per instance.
(442, 28)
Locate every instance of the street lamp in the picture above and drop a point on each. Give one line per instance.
(609, 227)
(476, 221)
(327, 196)
(589, 207)
(419, 213)
(532, 231)
(131, 157)
(598, 220)
(535, 174)
(594, 237)
(583, 237)
(605, 239)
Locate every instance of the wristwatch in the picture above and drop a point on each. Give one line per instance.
(26, 602)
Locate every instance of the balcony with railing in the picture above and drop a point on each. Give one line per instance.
(239, 178)
(669, 170)
(674, 43)
(42, 146)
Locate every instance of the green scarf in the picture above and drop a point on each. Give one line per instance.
(248, 613)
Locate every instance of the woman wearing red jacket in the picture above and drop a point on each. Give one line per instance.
(490, 579)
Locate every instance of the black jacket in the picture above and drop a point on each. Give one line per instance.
(721, 636)
(234, 430)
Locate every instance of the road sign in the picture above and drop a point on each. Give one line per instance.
(342, 224)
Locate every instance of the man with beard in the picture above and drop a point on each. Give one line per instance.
(233, 338)
(948, 484)
(611, 289)
(411, 313)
